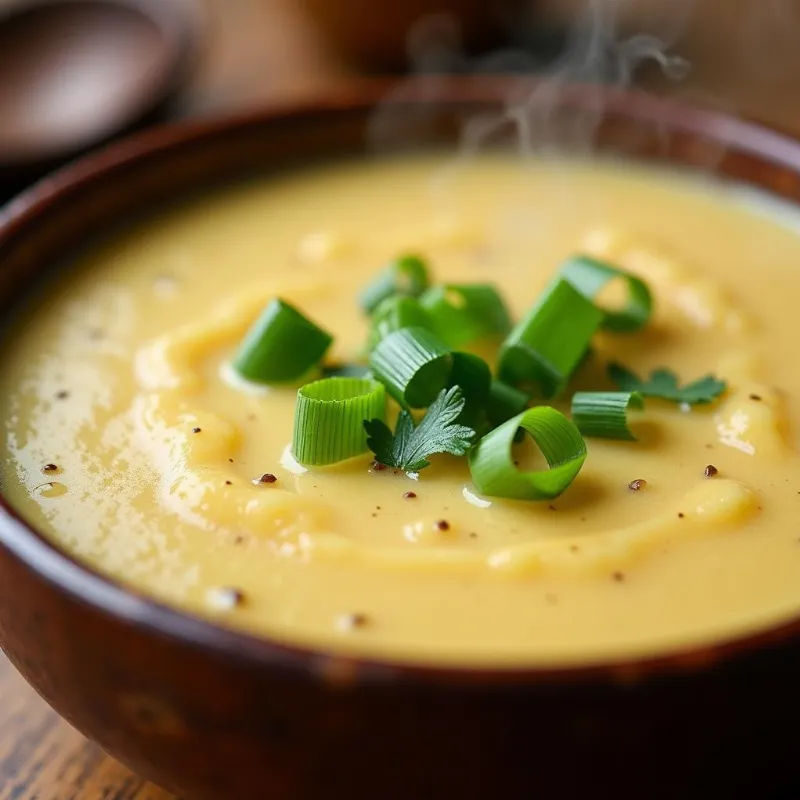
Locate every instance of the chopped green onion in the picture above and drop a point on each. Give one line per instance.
(329, 419)
(413, 365)
(281, 346)
(491, 461)
(472, 374)
(462, 313)
(407, 275)
(604, 415)
(395, 313)
(546, 347)
(346, 370)
(504, 402)
(590, 276)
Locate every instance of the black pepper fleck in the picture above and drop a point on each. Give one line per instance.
(710, 471)
(267, 477)
(63, 394)
(196, 430)
(50, 468)
(410, 495)
(637, 485)
(619, 576)
(229, 483)
(756, 397)
(228, 597)
(352, 621)
(442, 525)
(376, 466)
(552, 507)
(681, 515)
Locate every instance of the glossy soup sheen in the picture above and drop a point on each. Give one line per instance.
(116, 377)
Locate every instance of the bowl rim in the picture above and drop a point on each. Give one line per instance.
(112, 599)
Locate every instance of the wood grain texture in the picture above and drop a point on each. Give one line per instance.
(43, 758)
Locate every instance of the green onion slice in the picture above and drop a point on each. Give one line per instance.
(546, 347)
(472, 374)
(590, 276)
(346, 370)
(281, 346)
(395, 313)
(604, 415)
(504, 402)
(491, 461)
(415, 365)
(329, 419)
(407, 275)
(462, 313)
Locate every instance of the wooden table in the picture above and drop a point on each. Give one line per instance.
(43, 758)
(260, 50)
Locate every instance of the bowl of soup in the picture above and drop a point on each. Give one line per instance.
(211, 569)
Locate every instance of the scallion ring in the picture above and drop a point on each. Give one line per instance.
(329, 419)
(504, 402)
(491, 461)
(407, 275)
(395, 313)
(604, 415)
(545, 347)
(463, 313)
(281, 346)
(415, 365)
(590, 276)
(472, 374)
(346, 370)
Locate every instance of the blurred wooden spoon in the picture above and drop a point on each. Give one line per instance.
(76, 72)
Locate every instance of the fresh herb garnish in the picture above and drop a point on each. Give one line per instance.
(663, 384)
(410, 446)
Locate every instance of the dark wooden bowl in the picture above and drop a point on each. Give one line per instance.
(211, 713)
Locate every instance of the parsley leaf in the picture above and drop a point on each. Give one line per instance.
(408, 449)
(663, 384)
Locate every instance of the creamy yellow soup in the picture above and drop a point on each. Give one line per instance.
(130, 442)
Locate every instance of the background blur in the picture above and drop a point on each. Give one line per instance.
(73, 77)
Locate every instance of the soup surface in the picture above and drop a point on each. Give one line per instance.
(128, 441)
